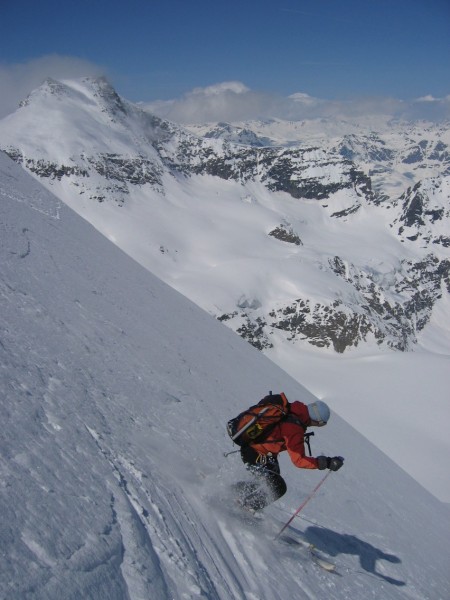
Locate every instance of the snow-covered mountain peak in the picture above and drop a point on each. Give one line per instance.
(236, 135)
(101, 92)
(86, 88)
(50, 87)
(67, 127)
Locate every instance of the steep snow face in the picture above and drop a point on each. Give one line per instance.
(291, 247)
(115, 392)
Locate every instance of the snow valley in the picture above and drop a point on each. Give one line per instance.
(325, 245)
(115, 391)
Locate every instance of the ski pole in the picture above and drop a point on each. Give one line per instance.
(302, 506)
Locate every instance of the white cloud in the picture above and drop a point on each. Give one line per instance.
(236, 87)
(227, 101)
(234, 101)
(18, 80)
(427, 98)
(304, 99)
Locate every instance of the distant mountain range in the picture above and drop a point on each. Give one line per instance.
(291, 233)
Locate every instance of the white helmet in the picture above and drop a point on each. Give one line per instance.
(319, 411)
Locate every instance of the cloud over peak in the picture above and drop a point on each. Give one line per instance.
(19, 79)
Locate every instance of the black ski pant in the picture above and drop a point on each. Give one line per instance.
(268, 485)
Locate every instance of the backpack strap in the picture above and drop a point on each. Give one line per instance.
(306, 436)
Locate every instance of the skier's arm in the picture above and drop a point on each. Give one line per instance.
(296, 450)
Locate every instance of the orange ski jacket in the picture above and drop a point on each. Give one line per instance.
(290, 436)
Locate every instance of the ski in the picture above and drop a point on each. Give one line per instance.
(313, 552)
(321, 562)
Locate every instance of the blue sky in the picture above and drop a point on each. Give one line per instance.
(162, 49)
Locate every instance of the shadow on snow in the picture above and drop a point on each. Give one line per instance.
(333, 544)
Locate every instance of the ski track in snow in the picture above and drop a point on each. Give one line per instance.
(159, 529)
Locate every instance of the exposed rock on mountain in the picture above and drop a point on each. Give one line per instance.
(286, 233)
(426, 213)
(391, 311)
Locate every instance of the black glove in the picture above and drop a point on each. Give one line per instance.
(325, 462)
(335, 463)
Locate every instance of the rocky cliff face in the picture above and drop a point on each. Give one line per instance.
(391, 312)
(106, 150)
(425, 214)
(303, 173)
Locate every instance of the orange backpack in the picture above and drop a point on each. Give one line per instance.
(254, 424)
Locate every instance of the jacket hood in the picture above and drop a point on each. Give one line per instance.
(300, 410)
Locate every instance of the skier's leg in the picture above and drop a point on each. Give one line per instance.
(269, 485)
(277, 485)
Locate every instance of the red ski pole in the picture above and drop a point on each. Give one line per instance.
(302, 506)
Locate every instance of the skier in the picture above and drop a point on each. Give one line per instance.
(261, 459)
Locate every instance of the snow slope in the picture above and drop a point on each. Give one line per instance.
(115, 392)
(211, 239)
